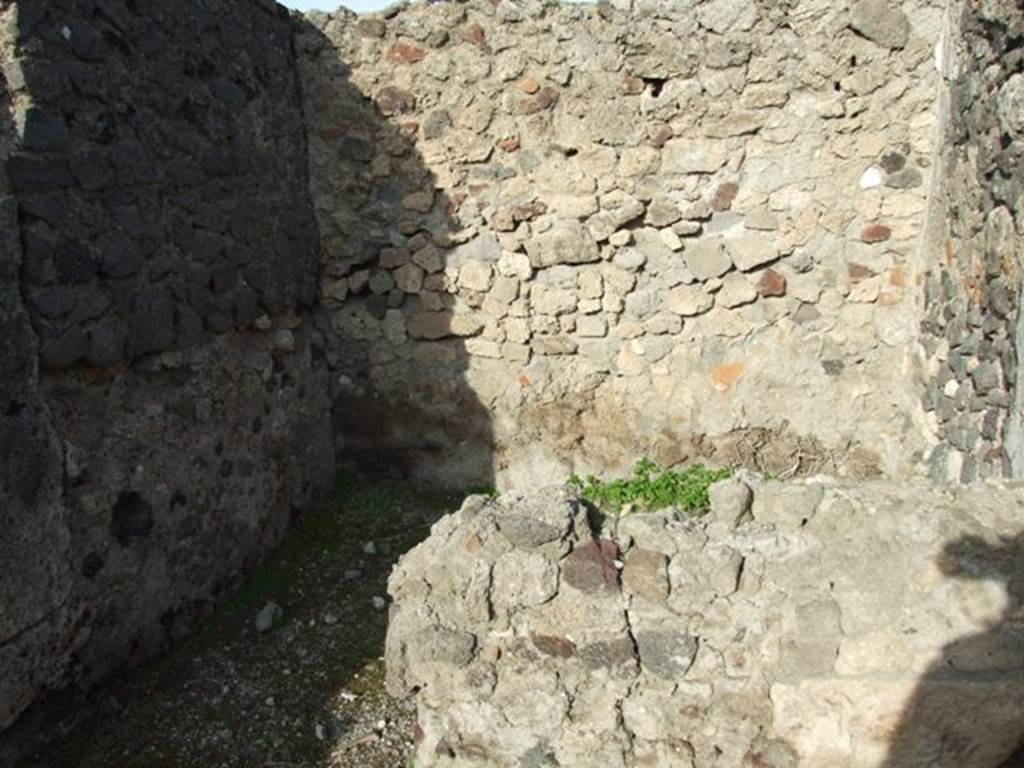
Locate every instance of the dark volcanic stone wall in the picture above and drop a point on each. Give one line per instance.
(162, 399)
(157, 177)
(972, 292)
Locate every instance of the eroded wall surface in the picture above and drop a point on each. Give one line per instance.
(162, 402)
(677, 230)
(855, 625)
(536, 240)
(971, 293)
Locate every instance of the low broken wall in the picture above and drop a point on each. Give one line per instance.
(162, 402)
(560, 238)
(803, 624)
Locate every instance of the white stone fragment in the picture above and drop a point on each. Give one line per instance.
(871, 178)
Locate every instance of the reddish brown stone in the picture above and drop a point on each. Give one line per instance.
(897, 277)
(591, 567)
(405, 53)
(544, 99)
(529, 85)
(473, 543)
(858, 272)
(875, 233)
(553, 645)
(395, 101)
(724, 196)
(455, 200)
(474, 35)
(371, 27)
(510, 144)
(529, 211)
(771, 284)
(547, 97)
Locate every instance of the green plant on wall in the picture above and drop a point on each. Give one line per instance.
(651, 488)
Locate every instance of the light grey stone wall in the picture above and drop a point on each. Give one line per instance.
(818, 623)
(560, 238)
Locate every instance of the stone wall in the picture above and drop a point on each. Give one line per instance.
(162, 399)
(559, 238)
(803, 624)
(497, 242)
(971, 294)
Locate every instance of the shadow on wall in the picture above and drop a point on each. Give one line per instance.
(163, 407)
(392, 247)
(965, 711)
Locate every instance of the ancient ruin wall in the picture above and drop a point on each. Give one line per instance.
(552, 238)
(867, 625)
(971, 287)
(162, 403)
(560, 238)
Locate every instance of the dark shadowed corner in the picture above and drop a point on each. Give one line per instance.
(392, 243)
(177, 362)
(164, 405)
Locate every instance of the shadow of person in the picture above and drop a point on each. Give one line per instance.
(968, 709)
(393, 242)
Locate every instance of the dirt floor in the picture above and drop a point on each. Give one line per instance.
(308, 692)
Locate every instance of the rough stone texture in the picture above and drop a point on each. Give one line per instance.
(163, 406)
(625, 175)
(171, 208)
(550, 239)
(879, 21)
(842, 625)
(972, 263)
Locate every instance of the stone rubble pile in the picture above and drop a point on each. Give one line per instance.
(803, 624)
